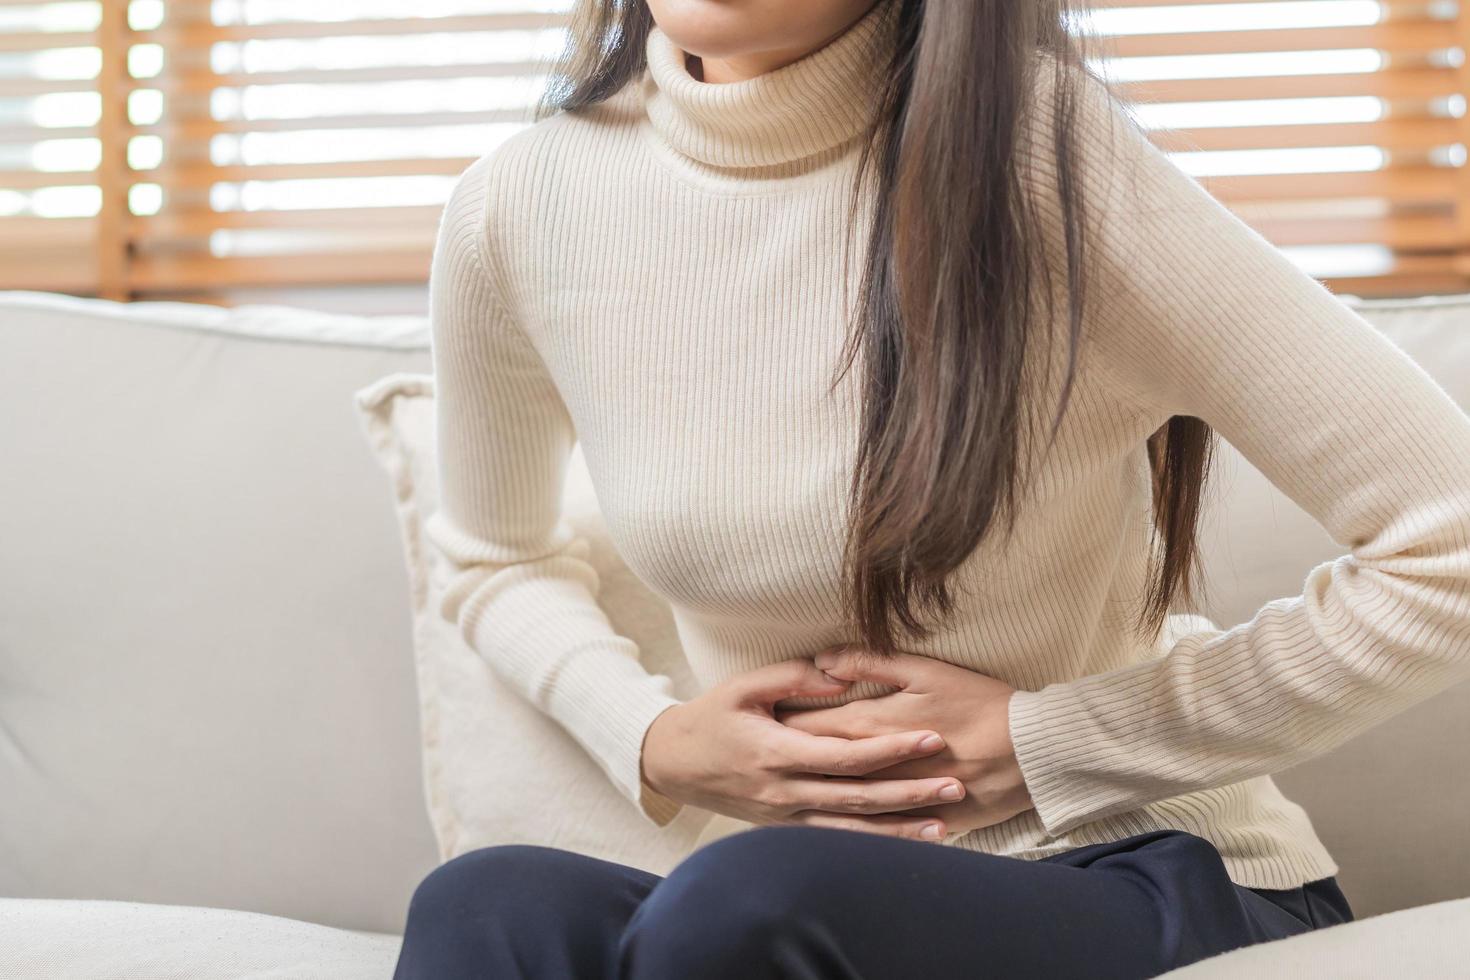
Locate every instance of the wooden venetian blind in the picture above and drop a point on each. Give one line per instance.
(51, 121)
(1337, 128)
(190, 147)
(268, 143)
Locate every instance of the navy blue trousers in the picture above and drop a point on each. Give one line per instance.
(818, 903)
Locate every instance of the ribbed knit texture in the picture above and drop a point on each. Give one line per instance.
(660, 277)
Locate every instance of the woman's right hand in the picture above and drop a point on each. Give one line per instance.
(725, 751)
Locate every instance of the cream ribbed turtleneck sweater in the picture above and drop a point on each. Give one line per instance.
(661, 278)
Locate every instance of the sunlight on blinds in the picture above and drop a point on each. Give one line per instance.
(310, 141)
(1335, 127)
(50, 109)
(180, 147)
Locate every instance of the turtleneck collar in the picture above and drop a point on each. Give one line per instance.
(803, 108)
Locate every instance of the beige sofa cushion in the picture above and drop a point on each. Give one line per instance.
(1431, 942)
(58, 939)
(206, 678)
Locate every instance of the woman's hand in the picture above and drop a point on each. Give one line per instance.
(725, 751)
(970, 709)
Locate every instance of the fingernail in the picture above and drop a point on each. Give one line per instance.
(951, 792)
(930, 741)
(930, 831)
(825, 659)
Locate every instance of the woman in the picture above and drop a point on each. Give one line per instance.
(794, 275)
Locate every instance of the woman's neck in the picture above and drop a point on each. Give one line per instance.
(806, 106)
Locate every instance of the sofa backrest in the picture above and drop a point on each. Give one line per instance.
(206, 677)
(206, 683)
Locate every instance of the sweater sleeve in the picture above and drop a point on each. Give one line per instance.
(1195, 313)
(522, 591)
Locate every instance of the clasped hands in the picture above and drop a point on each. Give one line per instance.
(890, 764)
(969, 711)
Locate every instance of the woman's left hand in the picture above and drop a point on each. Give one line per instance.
(970, 709)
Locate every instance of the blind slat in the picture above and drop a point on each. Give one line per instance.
(1410, 83)
(1426, 35)
(204, 81)
(1406, 232)
(204, 175)
(200, 35)
(13, 88)
(22, 41)
(184, 224)
(164, 273)
(194, 129)
(1408, 185)
(32, 179)
(1394, 134)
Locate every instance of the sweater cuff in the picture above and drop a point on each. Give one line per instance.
(656, 806)
(1062, 755)
(607, 701)
(1084, 745)
(583, 674)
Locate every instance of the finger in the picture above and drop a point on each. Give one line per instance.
(884, 824)
(766, 685)
(855, 719)
(907, 769)
(935, 810)
(901, 670)
(871, 795)
(799, 752)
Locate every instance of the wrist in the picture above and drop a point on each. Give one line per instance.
(1020, 792)
(651, 754)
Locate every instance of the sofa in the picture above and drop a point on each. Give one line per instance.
(210, 732)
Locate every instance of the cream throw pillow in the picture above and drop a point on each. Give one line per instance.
(496, 769)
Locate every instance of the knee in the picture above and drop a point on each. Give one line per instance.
(732, 905)
(770, 868)
(1199, 851)
(490, 882)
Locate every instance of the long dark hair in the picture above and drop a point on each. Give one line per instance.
(947, 304)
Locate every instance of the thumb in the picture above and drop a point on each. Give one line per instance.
(800, 677)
